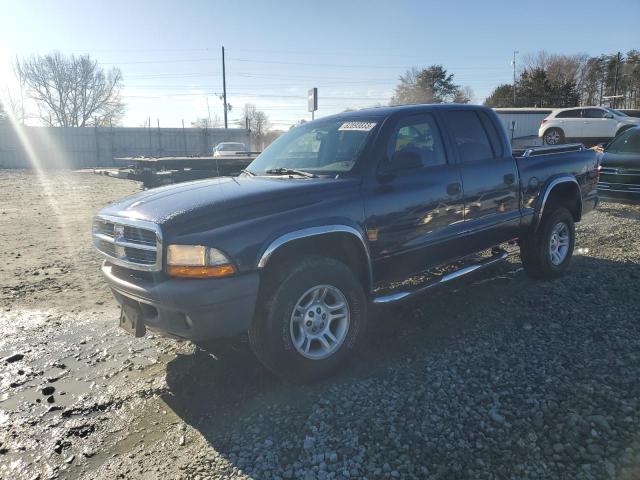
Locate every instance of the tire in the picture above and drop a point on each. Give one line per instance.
(277, 326)
(553, 136)
(536, 250)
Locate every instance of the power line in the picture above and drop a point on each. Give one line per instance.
(161, 61)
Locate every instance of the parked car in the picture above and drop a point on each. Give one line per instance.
(230, 149)
(326, 220)
(620, 167)
(630, 112)
(584, 124)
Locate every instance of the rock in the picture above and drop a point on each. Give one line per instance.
(600, 421)
(13, 357)
(496, 417)
(48, 390)
(70, 459)
(181, 441)
(309, 443)
(610, 468)
(595, 449)
(51, 399)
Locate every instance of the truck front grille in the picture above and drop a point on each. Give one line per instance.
(130, 243)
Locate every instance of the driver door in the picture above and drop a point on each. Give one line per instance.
(598, 124)
(414, 202)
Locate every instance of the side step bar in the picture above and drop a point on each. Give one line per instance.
(498, 257)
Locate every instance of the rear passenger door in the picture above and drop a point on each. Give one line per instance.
(489, 179)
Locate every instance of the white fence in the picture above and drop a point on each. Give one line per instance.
(52, 147)
(522, 123)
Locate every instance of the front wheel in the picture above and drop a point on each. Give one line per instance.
(313, 316)
(547, 252)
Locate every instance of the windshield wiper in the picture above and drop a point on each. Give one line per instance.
(290, 171)
(248, 172)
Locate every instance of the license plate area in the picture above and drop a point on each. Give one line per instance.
(131, 319)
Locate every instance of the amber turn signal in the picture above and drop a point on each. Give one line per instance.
(217, 271)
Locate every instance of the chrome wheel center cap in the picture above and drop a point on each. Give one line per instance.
(316, 319)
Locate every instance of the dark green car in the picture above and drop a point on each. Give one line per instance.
(620, 167)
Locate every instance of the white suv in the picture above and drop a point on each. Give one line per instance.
(594, 124)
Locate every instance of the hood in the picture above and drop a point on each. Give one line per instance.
(627, 160)
(219, 201)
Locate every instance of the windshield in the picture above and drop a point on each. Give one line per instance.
(616, 112)
(626, 142)
(230, 147)
(324, 148)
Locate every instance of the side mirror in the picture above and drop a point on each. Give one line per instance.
(403, 160)
(608, 115)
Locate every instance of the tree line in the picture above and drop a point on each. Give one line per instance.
(75, 91)
(552, 80)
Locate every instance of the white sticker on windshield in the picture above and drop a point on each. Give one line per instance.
(359, 126)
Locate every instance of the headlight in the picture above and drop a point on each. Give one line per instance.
(196, 261)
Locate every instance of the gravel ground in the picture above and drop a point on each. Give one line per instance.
(498, 376)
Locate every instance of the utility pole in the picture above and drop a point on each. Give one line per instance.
(514, 76)
(208, 112)
(615, 84)
(224, 89)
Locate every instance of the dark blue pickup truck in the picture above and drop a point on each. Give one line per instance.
(329, 218)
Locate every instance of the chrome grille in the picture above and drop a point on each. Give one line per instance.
(130, 243)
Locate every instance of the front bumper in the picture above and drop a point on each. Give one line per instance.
(619, 186)
(191, 309)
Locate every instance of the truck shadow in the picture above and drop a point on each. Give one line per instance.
(226, 395)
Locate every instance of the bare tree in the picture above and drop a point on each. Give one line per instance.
(207, 122)
(72, 91)
(258, 124)
(464, 95)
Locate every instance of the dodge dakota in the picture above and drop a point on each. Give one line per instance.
(330, 219)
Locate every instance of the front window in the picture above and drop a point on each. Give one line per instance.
(593, 113)
(626, 142)
(323, 148)
(234, 147)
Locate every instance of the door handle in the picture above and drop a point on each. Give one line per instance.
(509, 179)
(454, 188)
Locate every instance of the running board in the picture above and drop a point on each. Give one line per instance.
(501, 256)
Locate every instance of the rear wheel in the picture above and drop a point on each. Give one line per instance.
(312, 317)
(553, 136)
(547, 252)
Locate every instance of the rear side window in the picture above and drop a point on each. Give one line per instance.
(491, 128)
(577, 113)
(470, 138)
